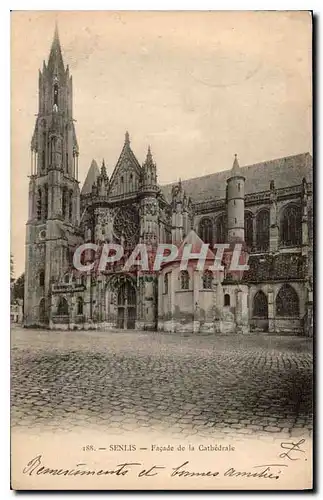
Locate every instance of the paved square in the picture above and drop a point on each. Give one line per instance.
(186, 385)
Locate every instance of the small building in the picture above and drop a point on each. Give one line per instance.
(16, 311)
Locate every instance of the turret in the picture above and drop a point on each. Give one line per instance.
(182, 213)
(149, 173)
(149, 209)
(235, 203)
(103, 181)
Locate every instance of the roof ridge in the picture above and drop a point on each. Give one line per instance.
(241, 167)
(91, 176)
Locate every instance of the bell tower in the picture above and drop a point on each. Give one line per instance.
(54, 195)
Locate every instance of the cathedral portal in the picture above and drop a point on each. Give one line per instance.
(126, 306)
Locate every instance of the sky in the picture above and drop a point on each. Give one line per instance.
(197, 87)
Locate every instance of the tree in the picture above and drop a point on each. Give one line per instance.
(19, 287)
(11, 269)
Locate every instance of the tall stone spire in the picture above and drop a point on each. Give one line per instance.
(127, 138)
(55, 60)
(54, 139)
(54, 194)
(103, 169)
(149, 157)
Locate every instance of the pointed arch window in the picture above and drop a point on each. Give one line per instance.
(166, 277)
(206, 230)
(262, 230)
(62, 309)
(56, 94)
(79, 309)
(291, 226)
(43, 153)
(66, 150)
(46, 201)
(248, 229)
(39, 204)
(70, 208)
(220, 229)
(287, 302)
(207, 280)
(226, 299)
(184, 280)
(260, 305)
(43, 159)
(42, 278)
(64, 202)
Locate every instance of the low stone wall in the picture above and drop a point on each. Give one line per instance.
(259, 324)
(288, 325)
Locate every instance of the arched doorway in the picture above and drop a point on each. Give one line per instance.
(260, 305)
(126, 306)
(260, 310)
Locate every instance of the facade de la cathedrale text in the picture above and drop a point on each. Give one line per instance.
(266, 207)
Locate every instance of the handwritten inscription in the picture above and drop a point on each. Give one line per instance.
(293, 449)
(37, 467)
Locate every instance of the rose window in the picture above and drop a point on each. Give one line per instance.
(126, 226)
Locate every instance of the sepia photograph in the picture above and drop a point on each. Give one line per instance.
(161, 271)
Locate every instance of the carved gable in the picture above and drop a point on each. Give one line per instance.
(126, 175)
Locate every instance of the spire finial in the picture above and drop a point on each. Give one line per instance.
(235, 166)
(103, 169)
(55, 56)
(56, 35)
(149, 155)
(127, 138)
(56, 42)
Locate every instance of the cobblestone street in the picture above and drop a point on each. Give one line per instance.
(186, 385)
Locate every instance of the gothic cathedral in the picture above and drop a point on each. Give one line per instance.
(266, 208)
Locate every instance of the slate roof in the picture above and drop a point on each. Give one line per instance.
(286, 172)
(193, 239)
(280, 267)
(91, 178)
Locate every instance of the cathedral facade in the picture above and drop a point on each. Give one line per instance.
(265, 208)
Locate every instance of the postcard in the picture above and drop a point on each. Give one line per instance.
(162, 250)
